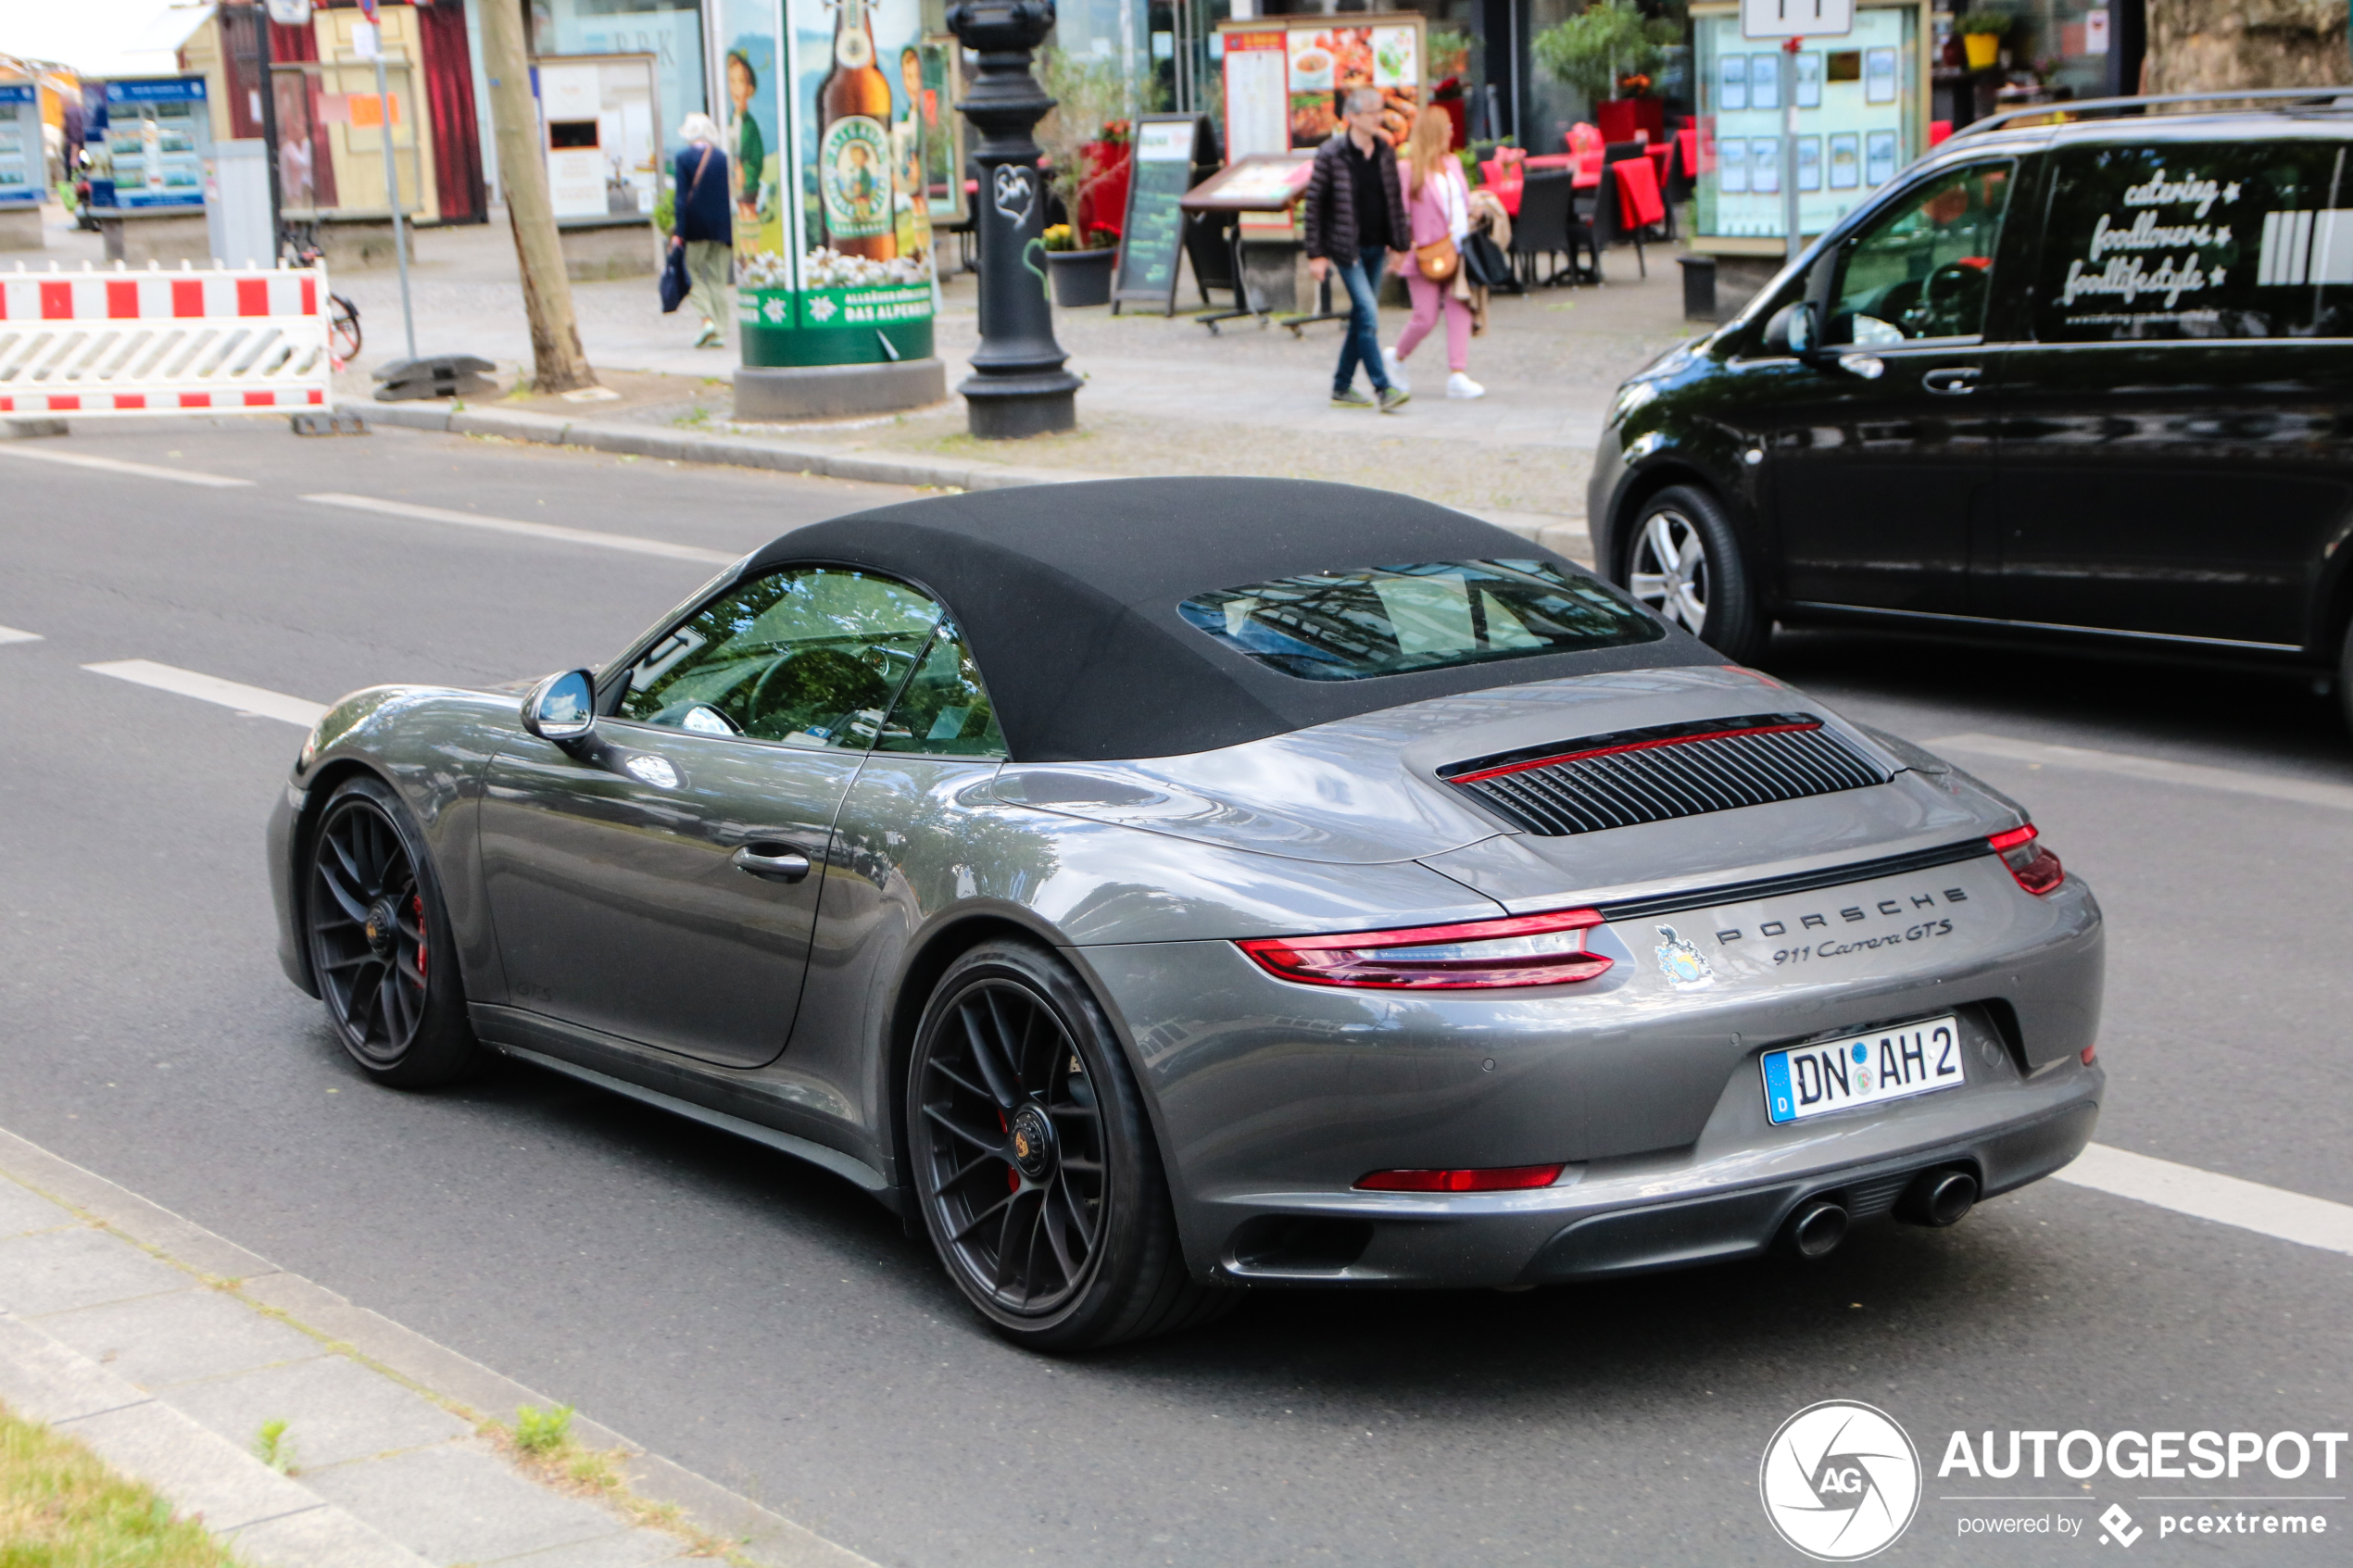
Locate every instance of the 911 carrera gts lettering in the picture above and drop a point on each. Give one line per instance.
(1866, 944)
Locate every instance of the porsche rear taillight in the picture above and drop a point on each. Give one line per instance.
(2035, 868)
(1547, 950)
(1494, 1178)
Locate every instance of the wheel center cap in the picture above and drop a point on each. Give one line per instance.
(1033, 1136)
(381, 927)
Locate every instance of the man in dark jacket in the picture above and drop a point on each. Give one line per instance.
(1356, 220)
(701, 224)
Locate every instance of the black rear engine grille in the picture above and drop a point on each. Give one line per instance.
(1667, 770)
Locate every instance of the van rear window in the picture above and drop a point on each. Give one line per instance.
(2197, 240)
(1393, 619)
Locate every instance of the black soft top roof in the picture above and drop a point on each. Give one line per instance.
(1067, 597)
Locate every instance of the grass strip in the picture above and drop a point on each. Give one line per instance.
(61, 1507)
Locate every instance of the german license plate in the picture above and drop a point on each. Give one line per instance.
(1911, 1059)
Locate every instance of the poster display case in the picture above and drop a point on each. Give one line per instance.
(159, 134)
(601, 124)
(834, 128)
(1286, 77)
(22, 166)
(1861, 103)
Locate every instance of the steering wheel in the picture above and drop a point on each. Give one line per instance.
(1952, 296)
(818, 689)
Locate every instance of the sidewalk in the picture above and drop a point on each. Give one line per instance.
(1163, 396)
(166, 1347)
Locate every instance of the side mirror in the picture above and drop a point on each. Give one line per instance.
(561, 709)
(1791, 330)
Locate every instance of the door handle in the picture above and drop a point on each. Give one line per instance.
(777, 862)
(1954, 381)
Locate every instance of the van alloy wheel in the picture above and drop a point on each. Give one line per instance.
(1670, 570)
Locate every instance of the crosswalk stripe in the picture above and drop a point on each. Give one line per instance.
(256, 701)
(118, 465)
(2186, 1189)
(632, 542)
(2272, 786)
(10, 634)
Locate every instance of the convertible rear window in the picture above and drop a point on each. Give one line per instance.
(1393, 619)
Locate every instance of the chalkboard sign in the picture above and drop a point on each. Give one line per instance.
(1173, 152)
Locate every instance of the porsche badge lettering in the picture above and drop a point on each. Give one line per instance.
(1854, 914)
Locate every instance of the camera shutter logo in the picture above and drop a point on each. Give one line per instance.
(1841, 1481)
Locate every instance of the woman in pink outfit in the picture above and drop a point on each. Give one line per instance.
(1438, 203)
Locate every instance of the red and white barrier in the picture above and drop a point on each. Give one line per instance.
(226, 340)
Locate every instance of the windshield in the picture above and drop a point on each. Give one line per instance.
(1392, 619)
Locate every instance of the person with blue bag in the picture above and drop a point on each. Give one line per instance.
(702, 232)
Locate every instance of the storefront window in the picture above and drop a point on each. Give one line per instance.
(671, 31)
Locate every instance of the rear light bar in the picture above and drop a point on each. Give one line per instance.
(1547, 950)
(2033, 867)
(1503, 1178)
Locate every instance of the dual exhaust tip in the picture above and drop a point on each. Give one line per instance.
(1935, 1198)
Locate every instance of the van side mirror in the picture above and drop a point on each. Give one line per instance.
(561, 709)
(1793, 330)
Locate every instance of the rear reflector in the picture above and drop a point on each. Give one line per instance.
(2091, 1051)
(1502, 1178)
(1547, 950)
(2033, 867)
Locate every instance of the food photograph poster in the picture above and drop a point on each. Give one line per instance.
(838, 104)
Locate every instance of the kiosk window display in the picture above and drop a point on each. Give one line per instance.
(159, 134)
(1859, 101)
(603, 119)
(21, 156)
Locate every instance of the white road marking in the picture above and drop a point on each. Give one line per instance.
(630, 542)
(117, 465)
(253, 701)
(2307, 792)
(2186, 1189)
(10, 634)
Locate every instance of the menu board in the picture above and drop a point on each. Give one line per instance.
(1152, 240)
(159, 134)
(21, 162)
(1288, 77)
(1854, 117)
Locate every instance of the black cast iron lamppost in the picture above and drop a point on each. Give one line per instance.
(1018, 386)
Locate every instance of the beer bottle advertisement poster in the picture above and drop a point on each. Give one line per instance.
(839, 267)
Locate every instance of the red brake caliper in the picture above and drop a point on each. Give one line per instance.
(417, 903)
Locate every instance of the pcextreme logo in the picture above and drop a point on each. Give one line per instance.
(1840, 1481)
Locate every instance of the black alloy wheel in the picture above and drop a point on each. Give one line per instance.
(1683, 564)
(380, 946)
(1033, 1163)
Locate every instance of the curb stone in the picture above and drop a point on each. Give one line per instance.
(1564, 534)
(291, 1524)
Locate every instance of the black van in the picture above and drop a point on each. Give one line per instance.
(2092, 379)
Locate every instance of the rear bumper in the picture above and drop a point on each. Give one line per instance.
(1647, 1215)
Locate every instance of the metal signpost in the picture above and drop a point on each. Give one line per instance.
(1793, 21)
(367, 43)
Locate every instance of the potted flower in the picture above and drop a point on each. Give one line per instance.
(1081, 273)
(1086, 141)
(1604, 46)
(1981, 34)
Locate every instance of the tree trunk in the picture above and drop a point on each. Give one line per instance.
(557, 363)
(2209, 45)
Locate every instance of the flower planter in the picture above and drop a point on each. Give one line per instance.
(1984, 48)
(1081, 276)
(1620, 118)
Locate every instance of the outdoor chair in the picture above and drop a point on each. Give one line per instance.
(1542, 228)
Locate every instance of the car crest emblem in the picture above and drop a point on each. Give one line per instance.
(1680, 962)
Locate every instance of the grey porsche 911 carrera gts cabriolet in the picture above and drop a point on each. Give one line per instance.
(1159, 887)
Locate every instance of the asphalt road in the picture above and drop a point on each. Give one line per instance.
(765, 1323)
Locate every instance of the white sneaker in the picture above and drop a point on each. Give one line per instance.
(1397, 376)
(1461, 386)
